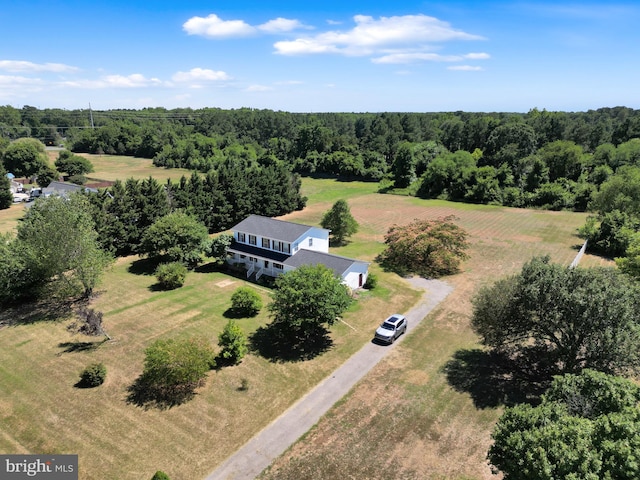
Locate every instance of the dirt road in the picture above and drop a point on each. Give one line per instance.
(258, 453)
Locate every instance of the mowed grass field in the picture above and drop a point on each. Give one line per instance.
(403, 421)
(118, 167)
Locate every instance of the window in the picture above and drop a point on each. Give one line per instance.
(310, 242)
(277, 266)
(241, 238)
(253, 240)
(266, 243)
(282, 247)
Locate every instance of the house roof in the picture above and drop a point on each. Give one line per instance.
(271, 228)
(311, 257)
(64, 188)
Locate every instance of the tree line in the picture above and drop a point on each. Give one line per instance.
(583, 161)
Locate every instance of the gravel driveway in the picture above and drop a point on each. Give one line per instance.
(258, 453)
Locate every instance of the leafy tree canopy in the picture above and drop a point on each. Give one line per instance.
(310, 293)
(340, 221)
(587, 427)
(561, 320)
(429, 248)
(73, 164)
(24, 157)
(59, 246)
(177, 236)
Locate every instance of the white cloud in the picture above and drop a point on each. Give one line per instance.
(201, 75)
(135, 80)
(465, 68)
(477, 56)
(416, 57)
(24, 66)
(213, 26)
(373, 35)
(413, 57)
(280, 25)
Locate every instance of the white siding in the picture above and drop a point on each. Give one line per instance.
(352, 276)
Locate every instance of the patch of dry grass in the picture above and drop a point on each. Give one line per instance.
(404, 420)
(404, 408)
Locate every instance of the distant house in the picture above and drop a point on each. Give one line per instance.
(266, 246)
(63, 189)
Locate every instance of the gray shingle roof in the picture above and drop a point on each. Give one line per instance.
(62, 188)
(310, 257)
(271, 228)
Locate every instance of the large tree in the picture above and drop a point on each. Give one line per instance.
(340, 221)
(429, 248)
(309, 295)
(24, 157)
(178, 237)
(562, 319)
(60, 245)
(587, 427)
(72, 164)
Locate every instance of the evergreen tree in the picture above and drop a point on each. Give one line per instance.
(340, 221)
(6, 197)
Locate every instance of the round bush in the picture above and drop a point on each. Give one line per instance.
(93, 375)
(160, 475)
(246, 301)
(171, 275)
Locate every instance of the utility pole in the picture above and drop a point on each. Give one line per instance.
(91, 115)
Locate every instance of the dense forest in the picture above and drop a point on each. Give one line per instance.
(584, 161)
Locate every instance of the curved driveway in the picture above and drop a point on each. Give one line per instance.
(259, 452)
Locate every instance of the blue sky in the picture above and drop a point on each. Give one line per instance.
(307, 56)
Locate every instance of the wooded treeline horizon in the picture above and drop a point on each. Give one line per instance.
(581, 161)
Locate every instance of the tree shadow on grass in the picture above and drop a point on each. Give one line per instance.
(278, 342)
(495, 380)
(209, 267)
(236, 313)
(144, 266)
(35, 311)
(147, 396)
(73, 347)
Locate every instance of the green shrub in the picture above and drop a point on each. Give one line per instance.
(246, 301)
(372, 282)
(171, 275)
(233, 342)
(174, 368)
(78, 179)
(160, 475)
(93, 375)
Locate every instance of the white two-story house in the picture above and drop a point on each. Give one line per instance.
(266, 246)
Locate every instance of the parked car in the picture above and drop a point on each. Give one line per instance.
(391, 328)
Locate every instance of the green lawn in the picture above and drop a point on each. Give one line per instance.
(40, 361)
